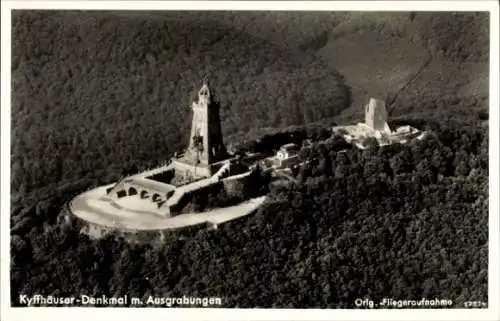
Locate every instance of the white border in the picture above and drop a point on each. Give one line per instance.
(476, 5)
(492, 313)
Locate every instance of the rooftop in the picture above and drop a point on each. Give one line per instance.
(289, 147)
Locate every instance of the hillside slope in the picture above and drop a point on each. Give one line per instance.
(378, 53)
(122, 80)
(428, 64)
(95, 90)
(449, 78)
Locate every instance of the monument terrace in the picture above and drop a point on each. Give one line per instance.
(158, 198)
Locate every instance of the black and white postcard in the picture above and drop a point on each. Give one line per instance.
(250, 160)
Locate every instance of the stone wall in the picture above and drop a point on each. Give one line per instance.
(226, 192)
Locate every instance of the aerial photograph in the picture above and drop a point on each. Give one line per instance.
(249, 159)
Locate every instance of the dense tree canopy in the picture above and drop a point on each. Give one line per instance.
(97, 96)
(116, 89)
(404, 221)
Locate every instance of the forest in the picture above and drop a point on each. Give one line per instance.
(129, 82)
(404, 221)
(97, 95)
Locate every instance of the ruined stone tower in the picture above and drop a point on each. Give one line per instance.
(376, 115)
(205, 144)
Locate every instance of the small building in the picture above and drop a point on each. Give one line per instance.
(287, 151)
(286, 156)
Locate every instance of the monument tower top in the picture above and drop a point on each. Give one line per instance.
(206, 145)
(204, 95)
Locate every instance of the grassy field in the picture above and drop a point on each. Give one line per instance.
(384, 55)
(374, 65)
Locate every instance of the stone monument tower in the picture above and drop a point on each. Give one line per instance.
(205, 142)
(376, 115)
